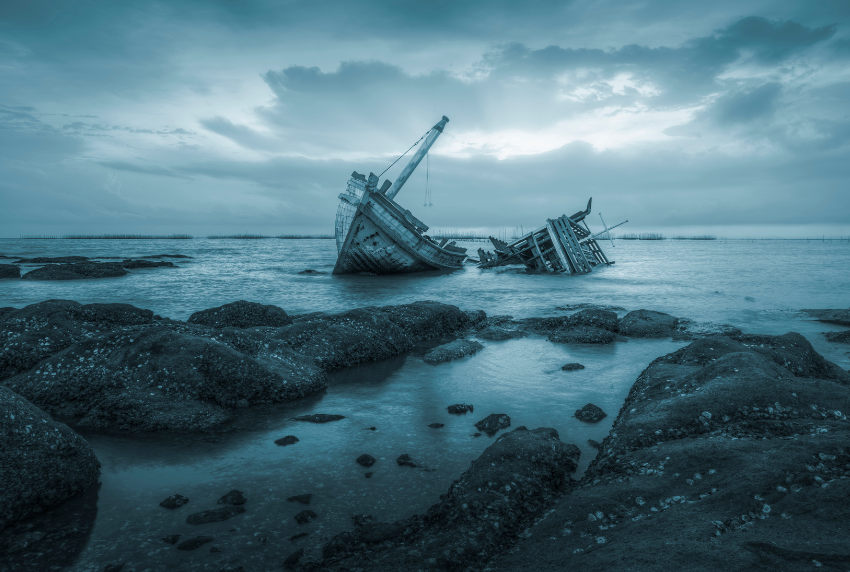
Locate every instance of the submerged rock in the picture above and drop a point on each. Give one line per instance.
(194, 543)
(572, 367)
(483, 512)
(215, 515)
(583, 335)
(9, 271)
(311, 271)
(366, 460)
(459, 408)
(174, 501)
(648, 324)
(242, 314)
(53, 260)
(291, 560)
(133, 264)
(305, 516)
(288, 440)
(595, 318)
(590, 413)
(453, 350)
(171, 539)
(404, 460)
(233, 497)
(436, 425)
(78, 271)
(42, 462)
(319, 418)
(839, 337)
(840, 317)
(724, 451)
(497, 334)
(167, 256)
(303, 499)
(493, 423)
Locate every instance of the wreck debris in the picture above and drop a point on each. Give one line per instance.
(563, 245)
(375, 234)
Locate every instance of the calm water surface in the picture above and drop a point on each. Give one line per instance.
(758, 286)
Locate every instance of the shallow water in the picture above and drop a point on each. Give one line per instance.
(757, 286)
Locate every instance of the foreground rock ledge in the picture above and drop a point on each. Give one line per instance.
(484, 511)
(114, 365)
(727, 455)
(42, 462)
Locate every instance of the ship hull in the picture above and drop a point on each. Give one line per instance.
(380, 240)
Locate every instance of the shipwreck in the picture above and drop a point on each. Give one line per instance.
(375, 234)
(562, 245)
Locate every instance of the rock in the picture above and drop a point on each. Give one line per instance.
(215, 549)
(493, 423)
(839, 337)
(572, 367)
(291, 560)
(762, 482)
(362, 519)
(840, 317)
(303, 499)
(134, 264)
(174, 501)
(366, 460)
(513, 481)
(586, 305)
(647, 324)
(594, 444)
(171, 539)
(459, 408)
(371, 429)
(595, 318)
(319, 418)
(215, 515)
(521, 428)
(305, 516)
(687, 329)
(476, 434)
(452, 351)
(79, 271)
(42, 463)
(295, 537)
(583, 335)
(312, 272)
(114, 567)
(242, 314)
(405, 461)
(167, 256)
(369, 474)
(233, 497)
(435, 425)
(9, 271)
(288, 440)
(498, 334)
(590, 413)
(53, 260)
(194, 543)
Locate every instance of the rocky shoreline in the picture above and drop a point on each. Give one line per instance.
(704, 430)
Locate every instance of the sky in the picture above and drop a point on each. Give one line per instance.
(204, 117)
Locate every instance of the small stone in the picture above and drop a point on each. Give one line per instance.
(706, 414)
(194, 543)
(405, 461)
(114, 567)
(305, 516)
(303, 499)
(572, 367)
(174, 501)
(215, 515)
(493, 423)
(594, 444)
(299, 535)
(288, 440)
(215, 549)
(435, 425)
(371, 428)
(319, 418)
(233, 497)
(369, 474)
(590, 413)
(292, 560)
(366, 460)
(459, 408)
(171, 539)
(476, 434)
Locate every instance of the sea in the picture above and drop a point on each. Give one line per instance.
(759, 286)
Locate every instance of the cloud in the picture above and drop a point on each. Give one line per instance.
(241, 134)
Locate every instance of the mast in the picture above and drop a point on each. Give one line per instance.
(417, 158)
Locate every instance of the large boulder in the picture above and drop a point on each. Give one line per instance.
(78, 271)
(30, 334)
(42, 462)
(603, 319)
(513, 481)
(9, 271)
(242, 314)
(583, 335)
(647, 324)
(724, 451)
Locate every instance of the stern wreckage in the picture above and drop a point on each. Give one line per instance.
(374, 234)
